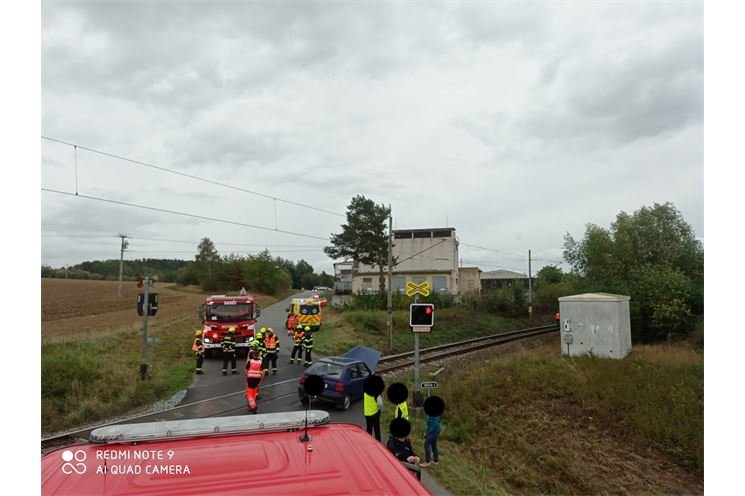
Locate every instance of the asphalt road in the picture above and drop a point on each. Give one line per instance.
(278, 392)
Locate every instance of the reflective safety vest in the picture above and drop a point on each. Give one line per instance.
(297, 337)
(228, 346)
(254, 369)
(291, 321)
(402, 410)
(197, 347)
(271, 344)
(371, 405)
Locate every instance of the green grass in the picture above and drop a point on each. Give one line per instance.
(344, 330)
(90, 380)
(95, 379)
(537, 422)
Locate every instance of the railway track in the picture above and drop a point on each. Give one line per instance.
(214, 407)
(400, 361)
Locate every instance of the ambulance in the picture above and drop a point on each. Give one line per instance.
(307, 312)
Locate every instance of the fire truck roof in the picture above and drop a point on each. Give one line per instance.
(243, 298)
(253, 455)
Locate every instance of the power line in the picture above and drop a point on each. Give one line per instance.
(58, 235)
(492, 249)
(174, 212)
(197, 178)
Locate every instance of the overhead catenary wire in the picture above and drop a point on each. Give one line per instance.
(191, 176)
(139, 238)
(183, 214)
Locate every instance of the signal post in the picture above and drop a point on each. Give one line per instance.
(421, 319)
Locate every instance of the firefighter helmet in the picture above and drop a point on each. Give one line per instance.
(231, 329)
(262, 330)
(198, 332)
(307, 328)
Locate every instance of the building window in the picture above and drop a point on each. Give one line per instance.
(441, 234)
(418, 279)
(402, 235)
(423, 234)
(398, 284)
(367, 284)
(439, 284)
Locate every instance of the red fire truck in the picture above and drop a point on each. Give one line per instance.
(274, 453)
(220, 312)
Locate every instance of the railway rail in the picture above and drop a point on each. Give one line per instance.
(212, 407)
(392, 363)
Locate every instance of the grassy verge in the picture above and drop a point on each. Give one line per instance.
(536, 422)
(344, 330)
(96, 378)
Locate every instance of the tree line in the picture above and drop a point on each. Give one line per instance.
(165, 269)
(260, 272)
(209, 270)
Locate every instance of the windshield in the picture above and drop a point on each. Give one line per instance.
(309, 309)
(325, 369)
(229, 313)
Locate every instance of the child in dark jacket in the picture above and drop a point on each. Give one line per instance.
(401, 449)
(430, 440)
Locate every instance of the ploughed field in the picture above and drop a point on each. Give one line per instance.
(74, 309)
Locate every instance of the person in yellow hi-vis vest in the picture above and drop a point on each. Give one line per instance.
(373, 407)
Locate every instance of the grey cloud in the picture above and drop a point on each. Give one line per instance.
(619, 99)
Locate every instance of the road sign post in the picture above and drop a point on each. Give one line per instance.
(413, 289)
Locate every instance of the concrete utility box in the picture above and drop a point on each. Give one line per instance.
(596, 323)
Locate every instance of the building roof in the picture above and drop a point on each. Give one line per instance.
(470, 268)
(502, 274)
(427, 229)
(595, 297)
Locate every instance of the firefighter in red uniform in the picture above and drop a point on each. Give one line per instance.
(297, 339)
(557, 316)
(254, 375)
(290, 324)
(271, 345)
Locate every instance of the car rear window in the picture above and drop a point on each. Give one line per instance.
(325, 369)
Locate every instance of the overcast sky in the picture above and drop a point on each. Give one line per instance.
(514, 123)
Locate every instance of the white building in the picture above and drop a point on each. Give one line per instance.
(423, 255)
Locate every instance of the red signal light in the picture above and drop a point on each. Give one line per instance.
(214, 335)
(428, 310)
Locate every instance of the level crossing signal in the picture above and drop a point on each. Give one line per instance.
(421, 314)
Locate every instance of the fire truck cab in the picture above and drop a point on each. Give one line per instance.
(277, 453)
(220, 312)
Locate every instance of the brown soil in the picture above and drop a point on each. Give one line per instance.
(75, 309)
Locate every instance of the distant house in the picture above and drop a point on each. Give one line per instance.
(429, 255)
(343, 277)
(497, 279)
(469, 281)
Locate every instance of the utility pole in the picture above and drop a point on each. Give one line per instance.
(125, 244)
(530, 288)
(389, 322)
(145, 310)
